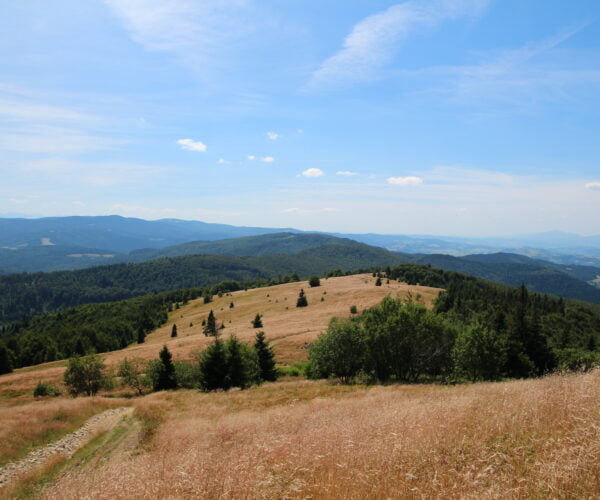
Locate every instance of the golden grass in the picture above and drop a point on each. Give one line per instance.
(290, 330)
(26, 427)
(535, 438)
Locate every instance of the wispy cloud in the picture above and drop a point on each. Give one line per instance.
(264, 159)
(346, 173)
(192, 145)
(312, 172)
(309, 211)
(405, 181)
(373, 42)
(273, 136)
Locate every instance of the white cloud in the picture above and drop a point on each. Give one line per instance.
(264, 159)
(312, 172)
(192, 145)
(405, 181)
(273, 136)
(593, 186)
(221, 161)
(374, 40)
(346, 173)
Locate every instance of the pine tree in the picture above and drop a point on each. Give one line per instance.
(174, 331)
(166, 378)
(378, 281)
(257, 322)
(214, 369)
(210, 329)
(141, 337)
(302, 301)
(266, 358)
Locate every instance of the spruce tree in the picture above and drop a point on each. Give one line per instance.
(141, 337)
(378, 281)
(214, 369)
(174, 331)
(266, 358)
(166, 378)
(302, 301)
(210, 329)
(257, 322)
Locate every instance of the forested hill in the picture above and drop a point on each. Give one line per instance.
(512, 269)
(266, 244)
(23, 295)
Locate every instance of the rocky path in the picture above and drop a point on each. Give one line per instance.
(67, 445)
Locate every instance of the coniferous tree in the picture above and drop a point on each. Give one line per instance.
(141, 337)
(174, 331)
(257, 321)
(210, 329)
(378, 281)
(166, 376)
(266, 358)
(302, 301)
(214, 369)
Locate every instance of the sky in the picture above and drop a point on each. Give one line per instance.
(445, 117)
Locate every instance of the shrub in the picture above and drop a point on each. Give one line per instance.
(314, 281)
(132, 374)
(353, 310)
(43, 389)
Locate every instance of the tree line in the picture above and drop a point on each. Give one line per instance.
(477, 330)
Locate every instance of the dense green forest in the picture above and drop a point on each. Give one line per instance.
(25, 295)
(477, 330)
(101, 327)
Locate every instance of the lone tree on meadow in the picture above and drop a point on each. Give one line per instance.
(266, 358)
(314, 281)
(166, 378)
(302, 301)
(174, 331)
(378, 281)
(214, 369)
(210, 329)
(85, 375)
(257, 321)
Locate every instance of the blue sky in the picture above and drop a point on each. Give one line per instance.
(454, 117)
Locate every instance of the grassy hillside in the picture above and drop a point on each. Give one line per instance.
(30, 294)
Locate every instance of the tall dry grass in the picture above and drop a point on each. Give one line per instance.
(29, 426)
(535, 438)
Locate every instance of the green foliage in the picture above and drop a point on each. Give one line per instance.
(213, 367)
(302, 300)
(243, 366)
(210, 328)
(165, 378)
(6, 362)
(378, 281)
(479, 353)
(339, 353)
(187, 374)
(43, 389)
(85, 375)
(314, 281)
(174, 331)
(257, 321)
(131, 373)
(266, 358)
(573, 359)
(353, 310)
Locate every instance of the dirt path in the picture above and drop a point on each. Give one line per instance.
(67, 445)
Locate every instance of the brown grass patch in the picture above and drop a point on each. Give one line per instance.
(29, 426)
(535, 438)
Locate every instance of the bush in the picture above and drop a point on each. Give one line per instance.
(353, 310)
(131, 373)
(187, 374)
(573, 359)
(314, 281)
(43, 389)
(85, 375)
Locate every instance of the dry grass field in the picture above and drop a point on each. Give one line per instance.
(289, 328)
(523, 439)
